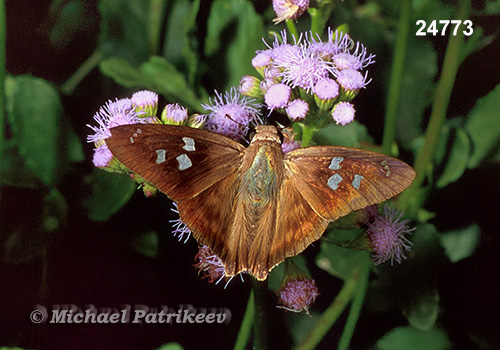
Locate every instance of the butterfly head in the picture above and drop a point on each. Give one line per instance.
(267, 133)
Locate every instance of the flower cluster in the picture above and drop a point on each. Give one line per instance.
(310, 77)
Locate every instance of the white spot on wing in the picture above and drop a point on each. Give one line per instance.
(335, 164)
(184, 162)
(189, 144)
(333, 181)
(357, 181)
(160, 156)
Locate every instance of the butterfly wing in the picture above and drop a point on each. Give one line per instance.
(338, 180)
(181, 161)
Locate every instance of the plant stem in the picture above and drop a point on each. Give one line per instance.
(330, 316)
(452, 60)
(357, 304)
(246, 324)
(260, 318)
(292, 28)
(396, 77)
(70, 85)
(307, 134)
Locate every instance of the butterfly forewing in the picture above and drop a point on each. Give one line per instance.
(337, 180)
(182, 162)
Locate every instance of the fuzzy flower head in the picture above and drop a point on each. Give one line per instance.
(113, 113)
(231, 114)
(173, 114)
(297, 109)
(298, 294)
(209, 265)
(277, 96)
(343, 113)
(388, 236)
(289, 9)
(145, 103)
(303, 68)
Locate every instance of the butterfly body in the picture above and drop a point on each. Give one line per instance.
(255, 206)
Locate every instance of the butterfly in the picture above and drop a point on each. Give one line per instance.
(255, 206)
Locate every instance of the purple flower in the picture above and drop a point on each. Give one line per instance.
(277, 96)
(351, 81)
(173, 114)
(297, 109)
(337, 42)
(231, 114)
(288, 146)
(119, 112)
(289, 9)
(326, 92)
(298, 294)
(343, 113)
(145, 103)
(388, 236)
(102, 156)
(250, 87)
(303, 68)
(209, 265)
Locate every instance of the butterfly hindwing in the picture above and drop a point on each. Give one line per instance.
(181, 161)
(337, 180)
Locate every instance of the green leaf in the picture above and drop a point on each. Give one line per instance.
(13, 171)
(181, 44)
(338, 261)
(457, 162)
(156, 74)
(246, 39)
(350, 135)
(460, 244)
(416, 87)
(167, 80)
(109, 192)
(71, 18)
(409, 338)
(423, 311)
(170, 346)
(483, 126)
(147, 244)
(34, 114)
(124, 29)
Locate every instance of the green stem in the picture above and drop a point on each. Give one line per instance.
(396, 77)
(330, 316)
(307, 134)
(292, 28)
(260, 318)
(246, 324)
(452, 60)
(70, 85)
(357, 304)
(155, 24)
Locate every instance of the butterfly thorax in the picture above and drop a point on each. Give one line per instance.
(262, 168)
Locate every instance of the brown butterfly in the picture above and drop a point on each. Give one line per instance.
(255, 206)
